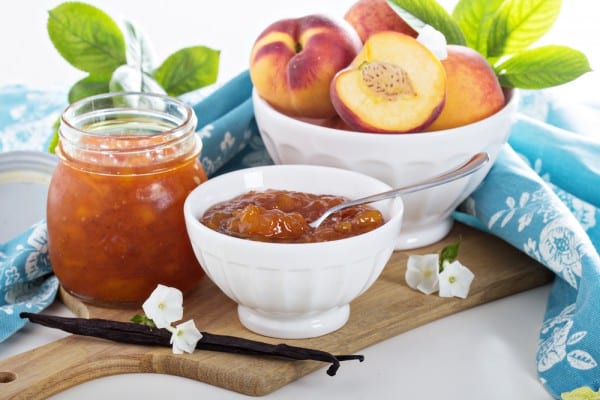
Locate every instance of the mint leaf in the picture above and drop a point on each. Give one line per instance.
(128, 78)
(88, 86)
(474, 18)
(139, 51)
(188, 69)
(448, 254)
(542, 67)
(519, 23)
(418, 13)
(86, 37)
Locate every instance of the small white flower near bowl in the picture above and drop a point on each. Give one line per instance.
(162, 309)
(292, 290)
(397, 159)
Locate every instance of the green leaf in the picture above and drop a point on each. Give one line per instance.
(88, 86)
(542, 67)
(143, 320)
(54, 139)
(86, 37)
(448, 254)
(128, 78)
(519, 23)
(188, 69)
(474, 18)
(418, 13)
(139, 51)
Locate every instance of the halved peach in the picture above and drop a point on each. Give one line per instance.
(394, 85)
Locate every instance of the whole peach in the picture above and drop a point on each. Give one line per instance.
(294, 60)
(371, 16)
(473, 90)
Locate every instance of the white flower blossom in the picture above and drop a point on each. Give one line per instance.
(184, 337)
(422, 272)
(455, 280)
(164, 306)
(434, 40)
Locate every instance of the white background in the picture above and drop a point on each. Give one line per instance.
(487, 352)
(27, 55)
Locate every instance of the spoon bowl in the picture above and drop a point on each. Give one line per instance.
(474, 164)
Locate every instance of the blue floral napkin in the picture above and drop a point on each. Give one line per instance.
(26, 279)
(541, 196)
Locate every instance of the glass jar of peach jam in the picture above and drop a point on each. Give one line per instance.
(127, 161)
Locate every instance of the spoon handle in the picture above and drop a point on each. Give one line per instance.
(476, 162)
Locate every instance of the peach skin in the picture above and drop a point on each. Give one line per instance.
(372, 16)
(294, 60)
(473, 93)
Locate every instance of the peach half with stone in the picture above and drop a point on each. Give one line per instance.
(394, 85)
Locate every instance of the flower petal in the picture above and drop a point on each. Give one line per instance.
(434, 40)
(185, 337)
(455, 280)
(164, 306)
(422, 272)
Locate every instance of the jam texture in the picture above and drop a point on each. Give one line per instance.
(283, 216)
(113, 238)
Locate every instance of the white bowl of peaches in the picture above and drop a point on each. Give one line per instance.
(382, 104)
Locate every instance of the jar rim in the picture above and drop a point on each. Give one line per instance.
(93, 106)
(117, 130)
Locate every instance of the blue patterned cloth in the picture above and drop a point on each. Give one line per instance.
(26, 279)
(541, 196)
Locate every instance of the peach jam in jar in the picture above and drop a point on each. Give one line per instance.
(127, 161)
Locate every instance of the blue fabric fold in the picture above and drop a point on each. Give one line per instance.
(567, 159)
(222, 100)
(227, 126)
(26, 279)
(541, 196)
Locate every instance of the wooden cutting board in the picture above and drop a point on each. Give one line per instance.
(387, 309)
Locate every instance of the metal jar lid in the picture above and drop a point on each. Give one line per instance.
(24, 180)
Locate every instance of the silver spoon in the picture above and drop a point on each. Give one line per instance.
(476, 162)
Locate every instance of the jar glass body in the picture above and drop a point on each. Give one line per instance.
(127, 161)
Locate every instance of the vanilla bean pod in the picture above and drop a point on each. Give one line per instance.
(132, 333)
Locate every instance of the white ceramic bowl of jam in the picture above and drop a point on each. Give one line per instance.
(292, 290)
(397, 159)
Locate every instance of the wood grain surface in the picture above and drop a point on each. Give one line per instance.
(387, 309)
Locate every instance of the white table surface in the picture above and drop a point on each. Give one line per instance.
(486, 352)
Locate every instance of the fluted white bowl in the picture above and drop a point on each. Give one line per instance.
(397, 159)
(292, 290)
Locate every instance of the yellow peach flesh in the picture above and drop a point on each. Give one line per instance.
(395, 84)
